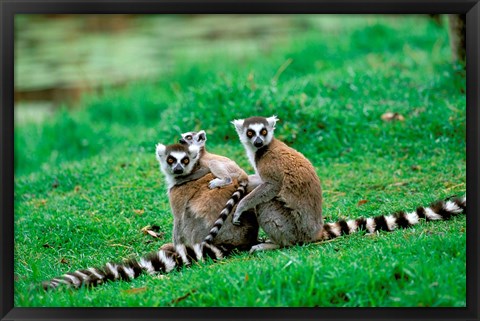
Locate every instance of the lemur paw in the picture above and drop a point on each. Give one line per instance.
(236, 218)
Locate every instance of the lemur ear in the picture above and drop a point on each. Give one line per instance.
(160, 150)
(202, 136)
(238, 123)
(272, 121)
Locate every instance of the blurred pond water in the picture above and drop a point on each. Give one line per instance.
(59, 57)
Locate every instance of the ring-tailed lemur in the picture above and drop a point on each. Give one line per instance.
(195, 208)
(288, 202)
(223, 168)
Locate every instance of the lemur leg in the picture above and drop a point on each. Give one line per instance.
(261, 194)
(282, 225)
(220, 171)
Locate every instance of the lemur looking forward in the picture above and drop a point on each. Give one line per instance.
(289, 199)
(288, 202)
(195, 208)
(224, 169)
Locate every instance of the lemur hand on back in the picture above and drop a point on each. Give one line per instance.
(223, 168)
(195, 208)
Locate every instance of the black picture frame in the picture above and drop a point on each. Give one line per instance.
(11, 7)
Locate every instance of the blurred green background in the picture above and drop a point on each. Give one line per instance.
(59, 57)
(142, 70)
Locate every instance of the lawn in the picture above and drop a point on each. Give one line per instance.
(87, 182)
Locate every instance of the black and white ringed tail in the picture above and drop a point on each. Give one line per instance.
(234, 199)
(439, 210)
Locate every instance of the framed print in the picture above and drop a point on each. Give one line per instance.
(221, 160)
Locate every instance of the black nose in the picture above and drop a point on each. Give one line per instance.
(182, 141)
(258, 142)
(177, 171)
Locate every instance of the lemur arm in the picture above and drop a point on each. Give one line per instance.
(261, 194)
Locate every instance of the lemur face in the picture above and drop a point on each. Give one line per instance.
(194, 138)
(176, 159)
(255, 131)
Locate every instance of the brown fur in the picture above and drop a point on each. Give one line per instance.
(299, 197)
(288, 199)
(300, 186)
(195, 208)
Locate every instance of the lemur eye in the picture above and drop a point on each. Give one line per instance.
(189, 137)
(185, 161)
(264, 132)
(170, 160)
(250, 133)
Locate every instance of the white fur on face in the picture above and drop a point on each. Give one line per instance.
(178, 155)
(257, 128)
(192, 154)
(184, 136)
(195, 140)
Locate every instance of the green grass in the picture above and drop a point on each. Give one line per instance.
(87, 181)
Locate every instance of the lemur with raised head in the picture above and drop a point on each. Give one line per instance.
(288, 201)
(224, 169)
(195, 209)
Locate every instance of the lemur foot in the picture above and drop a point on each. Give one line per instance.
(264, 247)
(217, 182)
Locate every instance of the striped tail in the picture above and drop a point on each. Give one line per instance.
(439, 210)
(168, 258)
(236, 197)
